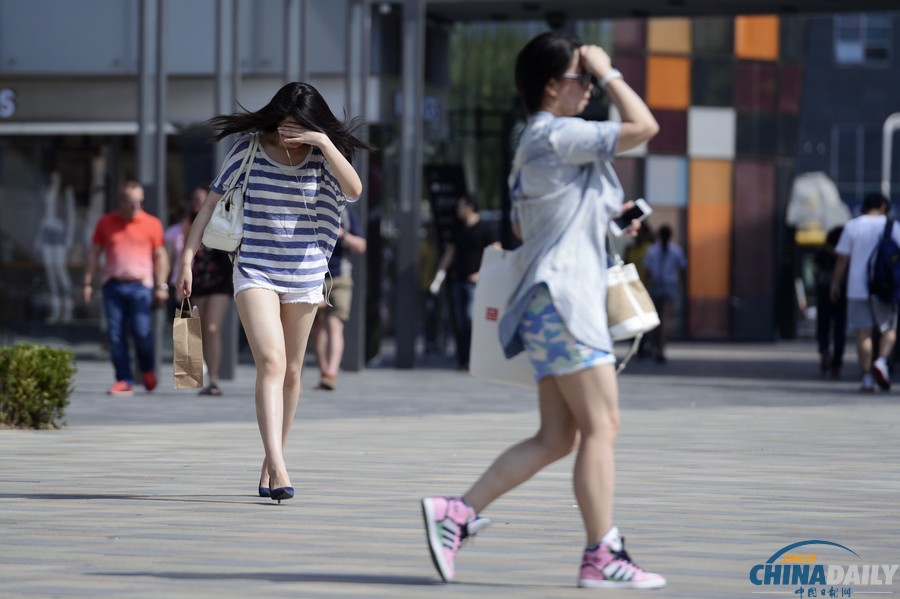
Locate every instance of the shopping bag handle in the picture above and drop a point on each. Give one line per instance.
(190, 309)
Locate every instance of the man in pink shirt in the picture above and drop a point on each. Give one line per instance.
(134, 280)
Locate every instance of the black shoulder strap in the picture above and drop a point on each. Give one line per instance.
(888, 228)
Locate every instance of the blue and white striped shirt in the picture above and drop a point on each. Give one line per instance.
(290, 228)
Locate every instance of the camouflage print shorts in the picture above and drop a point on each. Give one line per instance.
(552, 349)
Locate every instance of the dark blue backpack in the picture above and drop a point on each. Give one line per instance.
(884, 267)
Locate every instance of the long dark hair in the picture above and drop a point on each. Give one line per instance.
(665, 235)
(545, 57)
(303, 102)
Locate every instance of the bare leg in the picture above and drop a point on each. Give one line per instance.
(555, 439)
(588, 399)
(662, 331)
(864, 350)
(335, 328)
(260, 311)
(212, 314)
(886, 347)
(297, 321)
(593, 398)
(320, 341)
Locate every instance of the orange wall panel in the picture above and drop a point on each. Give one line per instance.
(668, 82)
(669, 35)
(756, 37)
(709, 229)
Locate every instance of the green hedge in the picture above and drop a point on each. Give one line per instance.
(35, 384)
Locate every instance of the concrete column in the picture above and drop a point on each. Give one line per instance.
(359, 29)
(295, 63)
(147, 39)
(151, 141)
(161, 201)
(406, 313)
(228, 79)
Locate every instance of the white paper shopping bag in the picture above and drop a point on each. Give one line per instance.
(497, 280)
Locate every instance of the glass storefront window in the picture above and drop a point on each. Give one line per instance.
(53, 190)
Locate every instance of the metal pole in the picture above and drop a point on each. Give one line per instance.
(294, 40)
(890, 126)
(304, 64)
(358, 44)
(406, 315)
(146, 97)
(235, 53)
(160, 200)
(227, 83)
(149, 113)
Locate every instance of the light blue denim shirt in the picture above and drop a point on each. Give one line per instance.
(564, 189)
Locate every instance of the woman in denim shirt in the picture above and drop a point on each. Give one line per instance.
(564, 191)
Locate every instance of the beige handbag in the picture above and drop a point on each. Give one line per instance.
(629, 310)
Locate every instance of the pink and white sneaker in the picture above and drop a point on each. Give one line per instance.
(609, 567)
(448, 522)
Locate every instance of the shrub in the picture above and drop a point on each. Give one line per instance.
(35, 384)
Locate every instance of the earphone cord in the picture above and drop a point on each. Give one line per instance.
(310, 219)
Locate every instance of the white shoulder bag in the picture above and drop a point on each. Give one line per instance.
(225, 228)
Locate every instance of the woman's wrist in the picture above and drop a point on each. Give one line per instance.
(611, 75)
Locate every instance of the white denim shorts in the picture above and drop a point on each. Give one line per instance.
(307, 296)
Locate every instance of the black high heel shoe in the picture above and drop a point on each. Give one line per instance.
(281, 493)
(264, 491)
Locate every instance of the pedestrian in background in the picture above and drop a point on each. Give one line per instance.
(134, 281)
(212, 287)
(328, 328)
(299, 181)
(664, 262)
(174, 237)
(212, 292)
(831, 316)
(858, 240)
(462, 260)
(564, 192)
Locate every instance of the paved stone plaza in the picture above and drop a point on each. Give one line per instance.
(727, 454)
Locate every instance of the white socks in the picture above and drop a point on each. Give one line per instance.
(612, 539)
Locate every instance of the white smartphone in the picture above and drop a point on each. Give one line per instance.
(620, 224)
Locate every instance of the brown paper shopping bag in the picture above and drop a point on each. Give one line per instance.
(187, 344)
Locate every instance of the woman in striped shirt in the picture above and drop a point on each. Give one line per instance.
(300, 178)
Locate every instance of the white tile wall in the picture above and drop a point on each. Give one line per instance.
(711, 132)
(666, 181)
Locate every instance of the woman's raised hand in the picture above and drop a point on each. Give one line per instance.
(295, 136)
(595, 60)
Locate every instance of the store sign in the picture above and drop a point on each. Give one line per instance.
(7, 103)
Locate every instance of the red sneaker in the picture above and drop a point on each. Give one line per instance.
(121, 388)
(150, 380)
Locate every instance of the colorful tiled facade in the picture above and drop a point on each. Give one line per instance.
(723, 93)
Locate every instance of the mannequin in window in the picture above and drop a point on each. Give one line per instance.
(52, 244)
